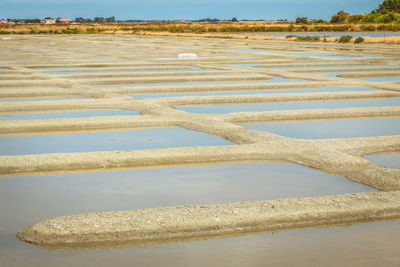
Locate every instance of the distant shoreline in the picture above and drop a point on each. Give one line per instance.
(236, 30)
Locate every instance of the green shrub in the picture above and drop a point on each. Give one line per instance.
(359, 40)
(345, 39)
(308, 38)
(290, 36)
(5, 32)
(70, 30)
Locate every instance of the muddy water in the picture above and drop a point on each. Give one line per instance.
(387, 160)
(221, 109)
(106, 141)
(73, 114)
(33, 199)
(333, 128)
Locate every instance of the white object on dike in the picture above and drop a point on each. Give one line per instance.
(187, 56)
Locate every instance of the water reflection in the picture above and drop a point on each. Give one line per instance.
(73, 114)
(332, 129)
(382, 79)
(387, 160)
(33, 199)
(106, 141)
(221, 109)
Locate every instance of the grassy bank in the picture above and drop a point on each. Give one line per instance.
(212, 30)
(198, 28)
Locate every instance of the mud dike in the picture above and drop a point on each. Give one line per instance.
(98, 70)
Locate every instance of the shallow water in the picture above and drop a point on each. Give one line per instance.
(229, 108)
(247, 65)
(336, 67)
(286, 91)
(329, 55)
(74, 114)
(106, 141)
(331, 34)
(382, 79)
(387, 160)
(33, 199)
(332, 128)
(43, 99)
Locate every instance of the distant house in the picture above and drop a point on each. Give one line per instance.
(49, 21)
(3, 21)
(64, 21)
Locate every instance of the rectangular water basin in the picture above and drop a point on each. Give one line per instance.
(222, 109)
(332, 128)
(328, 55)
(73, 114)
(285, 91)
(106, 141)
(336, 67)
(387, 160)
(382, 79)
(34, 199)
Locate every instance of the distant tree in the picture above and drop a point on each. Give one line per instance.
(98, 20)
(110, 19)
(388, 6)
(48, 18)
(80, 20)
(234, 19)
(340, 17)
(301, 20)
(389, 17)
(31, 20)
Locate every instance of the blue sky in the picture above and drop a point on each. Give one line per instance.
(183, 9)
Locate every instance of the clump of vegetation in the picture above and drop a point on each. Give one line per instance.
(301, 20)
(359, 40)
(340, 17)
(389, 6)
(290, 36)
(308, 38)
(70, 30)
(345, 39)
